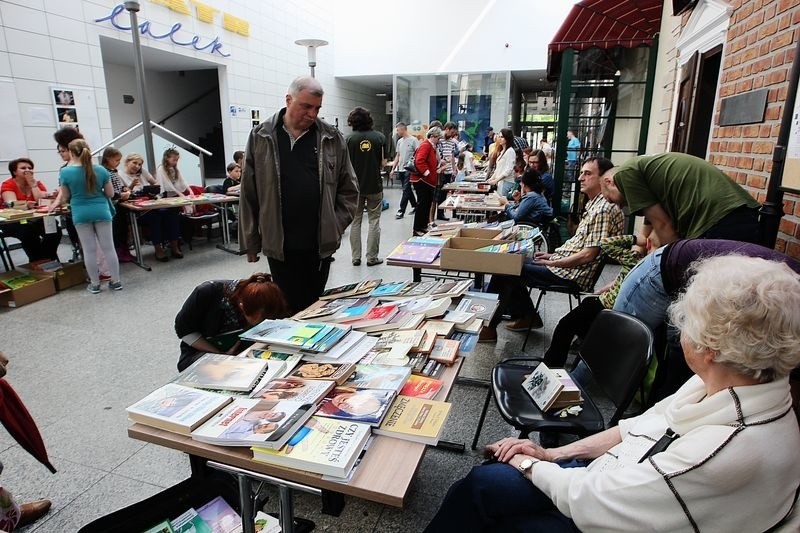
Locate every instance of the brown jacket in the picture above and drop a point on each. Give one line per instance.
(260, 221)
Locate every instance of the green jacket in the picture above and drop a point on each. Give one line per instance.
(260, 221)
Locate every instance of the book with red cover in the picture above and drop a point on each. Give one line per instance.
(380, 314)
(421, 387)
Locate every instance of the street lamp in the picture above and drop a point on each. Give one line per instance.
(312, 45)
(133, 8)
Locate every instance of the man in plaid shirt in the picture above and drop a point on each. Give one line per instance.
(573, 264)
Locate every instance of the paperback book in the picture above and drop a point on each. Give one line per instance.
(414, 253)
(545, 386)
(250, 422)
(337, 372)
(220, 516)
(223, 372)
(438, 327)
(377, 316)
(308, 336)
(294, 389)
(387, 377)
(324, 446)
(177, 408)
(445, 351)
(421, 387)
(190, 522)
(389, 288)
(415, 419)
(357, 311)
(483, 308)
(358, 405)
(468, 342)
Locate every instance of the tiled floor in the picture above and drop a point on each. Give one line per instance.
(78, 360)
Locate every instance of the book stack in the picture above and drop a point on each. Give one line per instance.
(302, 336)
(350, 290)
(216, 516)
(552, 389)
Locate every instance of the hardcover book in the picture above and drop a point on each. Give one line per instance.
(547, 386)
(414, 253)
(223, 372)
(294, 389)
(337, 372)
(250, 422)
(177, 408)
(324, 446)
(445, 351)
(415, 419)
(358, 405)
(388, 377)
(421, 387)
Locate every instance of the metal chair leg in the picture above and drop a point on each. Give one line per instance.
(482, 418)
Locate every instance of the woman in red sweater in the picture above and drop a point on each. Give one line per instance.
(425, 179)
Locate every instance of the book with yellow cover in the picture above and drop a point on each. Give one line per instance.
(415, 419)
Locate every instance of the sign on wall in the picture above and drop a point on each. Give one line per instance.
(75, 108)
(791, 167)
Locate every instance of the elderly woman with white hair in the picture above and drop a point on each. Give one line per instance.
(721, 454)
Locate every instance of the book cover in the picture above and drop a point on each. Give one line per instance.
(422, 288)
(415, 419)
(250, 422)
(387, 377)
(570, 393)
(294, 389)
(290, 361)
(356, 311)
(378, 315)
(394, 355)
(458, 317)
(400, 320)
(425, 240)
(220, 516)
(267, 523)
(426, 344)
(483, 308)
(190, 522)
(337, 372)
(468, 342)
(17, 282)
(177, 408)
(390, 288)
(324, 446)
(421, 387)
(412, 337)
(543, 386)
(223, 372)
(438, 327)
(162, 527)
(367, 286)
(445, 351)
(338, 292)
(414, 253)
(293, 334)
(473, 326)
(328, 309)
(358, 405)
(437, 307)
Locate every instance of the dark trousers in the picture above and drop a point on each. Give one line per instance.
(576, 322)
(119, 229)
(408, 194)
(35, 242)
(71, 231)
(496, 497)
(424, 202)
(164, 225)
(513, 291)
(441, 194)
(302, 277)
(741, 225)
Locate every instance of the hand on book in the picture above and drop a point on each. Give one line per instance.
(505, 449)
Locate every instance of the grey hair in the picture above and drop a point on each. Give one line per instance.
(435, 131)
(746, 311)
(305, 83)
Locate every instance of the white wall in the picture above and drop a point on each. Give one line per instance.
(415, 36)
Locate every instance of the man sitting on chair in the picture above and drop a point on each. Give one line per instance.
(573, 264)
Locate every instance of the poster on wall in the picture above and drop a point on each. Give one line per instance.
(66, 112)
(790, 180)
(75, 107)
(255, 117)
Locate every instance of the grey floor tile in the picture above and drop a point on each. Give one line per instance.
(156, 465)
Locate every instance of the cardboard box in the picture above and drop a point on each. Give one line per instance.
(44, 287)
(479, 233)
(459, 254)
(70, 275)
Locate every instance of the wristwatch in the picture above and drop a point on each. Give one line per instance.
(526, 465)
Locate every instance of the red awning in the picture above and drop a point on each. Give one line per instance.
(606, 24)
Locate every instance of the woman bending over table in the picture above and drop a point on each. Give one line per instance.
(223, 306)
(23, 186)
(721, 454)
(88, 190)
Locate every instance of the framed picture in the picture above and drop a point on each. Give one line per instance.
(67, 115)
(63, 97)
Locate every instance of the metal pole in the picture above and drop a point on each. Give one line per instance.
(772, 209)
(312, 69)
(133, 8)
(564, 106)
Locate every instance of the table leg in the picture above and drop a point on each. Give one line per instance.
(137, 241)
(416, 274)
(286, 509)
(226, 234)
(246, 503)
(332, 502)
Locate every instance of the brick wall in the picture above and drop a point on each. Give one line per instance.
(758, 53)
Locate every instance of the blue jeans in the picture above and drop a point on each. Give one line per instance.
(496, 497)
(642, 293)
(513, 291)
(408, 194)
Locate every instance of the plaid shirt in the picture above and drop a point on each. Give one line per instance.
(601, 220)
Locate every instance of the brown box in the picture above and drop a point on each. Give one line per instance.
(459, 254)
(30, 293)
(69, 275)
(479, 233)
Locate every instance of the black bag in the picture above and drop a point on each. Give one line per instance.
(411, 166)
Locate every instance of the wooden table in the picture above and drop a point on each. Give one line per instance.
(471, 211)
(32, 215)
(384, 474)
(136, 209)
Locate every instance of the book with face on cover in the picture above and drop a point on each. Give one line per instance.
(415, 419)
(337, 372)
(177, 408)
(323, 446)
(294, 389)
(223, 372)
(251, 422)
(359, 405)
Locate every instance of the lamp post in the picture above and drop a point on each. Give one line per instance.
(312, 45)
(133, 8)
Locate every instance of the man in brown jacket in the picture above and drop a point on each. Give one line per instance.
(298, 194)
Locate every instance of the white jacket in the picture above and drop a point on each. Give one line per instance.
(504, 167)
(726, 472)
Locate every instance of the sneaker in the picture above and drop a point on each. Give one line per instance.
(487, 334)
(115, 285)
(356, 262)
(94, 289)
(373, 262)
(105, 277)
(413, 210)
(522, 324)
(399, 215)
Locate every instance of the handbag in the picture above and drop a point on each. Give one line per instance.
(411, 166)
